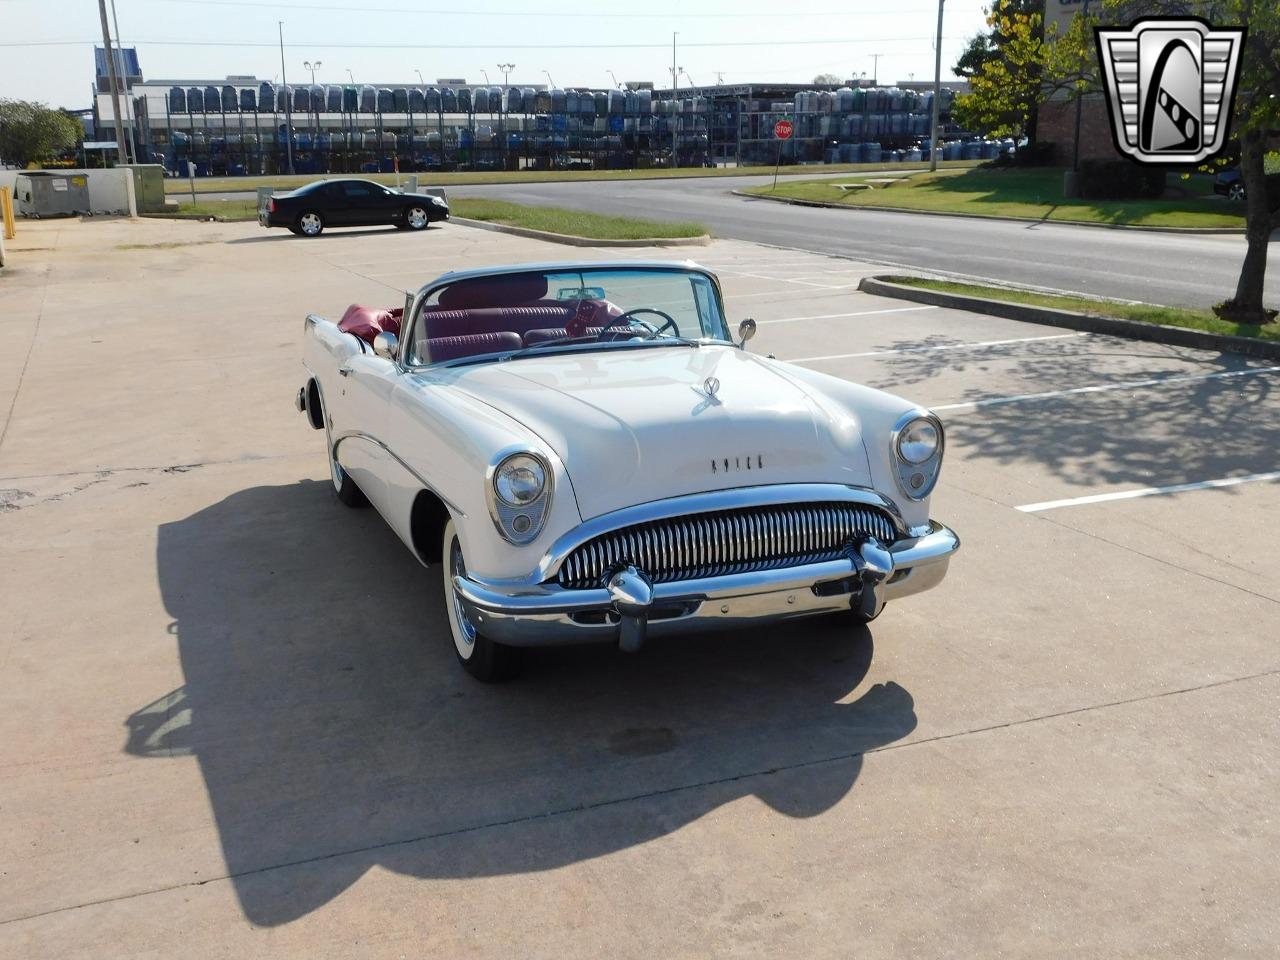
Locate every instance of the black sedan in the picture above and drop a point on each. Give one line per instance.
(1229, 184)
(350, 203)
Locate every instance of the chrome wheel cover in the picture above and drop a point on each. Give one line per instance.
(311, 224)
(464, 633)
(418, 218)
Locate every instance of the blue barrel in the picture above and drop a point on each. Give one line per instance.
(449, 100)
(266, 97)
(177, 100)
(333, 99)
(315, 98)
(464, 99)
(515, 100)
(871, 153)
(301, 99)
(417, 102)
(386, 100)
(368, 99)
(973, 150)
(400, 100)
(433, 100)
(350, 100)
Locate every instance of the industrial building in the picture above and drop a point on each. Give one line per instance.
(242, 125)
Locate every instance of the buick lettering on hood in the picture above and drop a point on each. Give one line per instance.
(586, 452)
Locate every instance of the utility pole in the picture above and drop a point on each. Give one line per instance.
(111, 77)
(506, 69)
(675, 103)
(937, 93)
(1075, 160)
(875, 69)
(288, 105)
(131, 151)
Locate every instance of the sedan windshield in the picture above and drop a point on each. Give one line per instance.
(608, 308)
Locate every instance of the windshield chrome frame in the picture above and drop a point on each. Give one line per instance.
(424, 294)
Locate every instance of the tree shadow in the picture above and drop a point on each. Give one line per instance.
(335, 732)
(1187, 431)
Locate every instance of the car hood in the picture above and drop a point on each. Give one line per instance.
(637, 425)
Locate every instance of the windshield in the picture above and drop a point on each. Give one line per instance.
(582, 308)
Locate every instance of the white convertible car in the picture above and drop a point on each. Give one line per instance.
(589, 454)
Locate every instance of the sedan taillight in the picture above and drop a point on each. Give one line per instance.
(271, 205)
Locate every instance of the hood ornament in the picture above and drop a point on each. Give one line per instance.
(711, 386)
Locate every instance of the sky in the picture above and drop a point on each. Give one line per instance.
(46, 48)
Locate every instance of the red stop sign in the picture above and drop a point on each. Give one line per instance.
(783, 129)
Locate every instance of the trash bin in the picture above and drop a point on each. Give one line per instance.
(44, 194)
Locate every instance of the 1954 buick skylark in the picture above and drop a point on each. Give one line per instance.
(589, 454)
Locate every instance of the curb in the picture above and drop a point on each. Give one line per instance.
(1049, 316)
(573, 241)
(1208, 231)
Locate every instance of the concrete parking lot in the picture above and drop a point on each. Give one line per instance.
(233, 724)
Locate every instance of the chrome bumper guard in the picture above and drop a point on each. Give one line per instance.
(628, 607)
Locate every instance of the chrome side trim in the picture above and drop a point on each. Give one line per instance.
(356, 434)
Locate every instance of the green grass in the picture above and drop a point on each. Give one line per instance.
(177, 185)
(225, 209)
(1026, 194)
(1144, 313)
(575, 223)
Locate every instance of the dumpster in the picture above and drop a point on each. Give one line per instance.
(40, 193)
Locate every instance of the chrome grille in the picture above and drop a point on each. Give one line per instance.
(726, 541)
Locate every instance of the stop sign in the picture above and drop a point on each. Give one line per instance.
(783, 129)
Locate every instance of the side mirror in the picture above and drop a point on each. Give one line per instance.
(746, 330)
(384, 345)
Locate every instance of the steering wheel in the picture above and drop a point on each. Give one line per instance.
(653, 330)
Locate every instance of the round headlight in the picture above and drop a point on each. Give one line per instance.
(918, 441)
(519, 480)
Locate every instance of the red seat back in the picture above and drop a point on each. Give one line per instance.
(367, 322)
(454, 348)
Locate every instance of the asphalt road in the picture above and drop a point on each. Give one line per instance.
(1174, 269)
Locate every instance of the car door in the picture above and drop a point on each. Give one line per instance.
(361, 413)
(363, 204)
(333, 203)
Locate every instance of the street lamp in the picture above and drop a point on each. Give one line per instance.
(615, 79)
(313, 67)
(288, 111)
(506, 69)
(937, 94)
(551, 83)
(485, 73)
(420, 79)
(351, 76)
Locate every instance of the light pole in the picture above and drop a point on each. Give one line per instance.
(937, 93)
(351, 76)
(506, 69)
(875, 69)
(615, 79)
(675, 83)
(288, 106)
(313, 67)
(550, 83)
(485, 74)
(111, 78)
(1075, 159)
(420, 79)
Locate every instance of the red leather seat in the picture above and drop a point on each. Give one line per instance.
(543, 334)
(367, 322)
(454, 348)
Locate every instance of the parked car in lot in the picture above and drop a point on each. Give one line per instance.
(1229, 184)
(588, 454)
(309, 210)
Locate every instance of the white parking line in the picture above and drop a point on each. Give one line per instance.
(946, 346)
(841, 316)
(1149, 492)
(1105, 388)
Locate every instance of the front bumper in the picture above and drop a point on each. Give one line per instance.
(548, 614)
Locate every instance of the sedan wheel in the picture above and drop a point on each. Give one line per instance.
(417, 218)
(311, 224)
(1235, 191)
(479, 656)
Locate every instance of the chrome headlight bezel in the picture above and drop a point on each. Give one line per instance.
(917, 479)
(508, 516)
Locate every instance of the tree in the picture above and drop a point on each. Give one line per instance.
(1256, 116)
(827, 78)
(33, 132)
(1005, 88)
(986, 46)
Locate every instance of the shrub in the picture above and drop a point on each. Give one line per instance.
(1120, 180)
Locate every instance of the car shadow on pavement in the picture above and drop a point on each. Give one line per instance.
(281, 234)
(335, 732)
